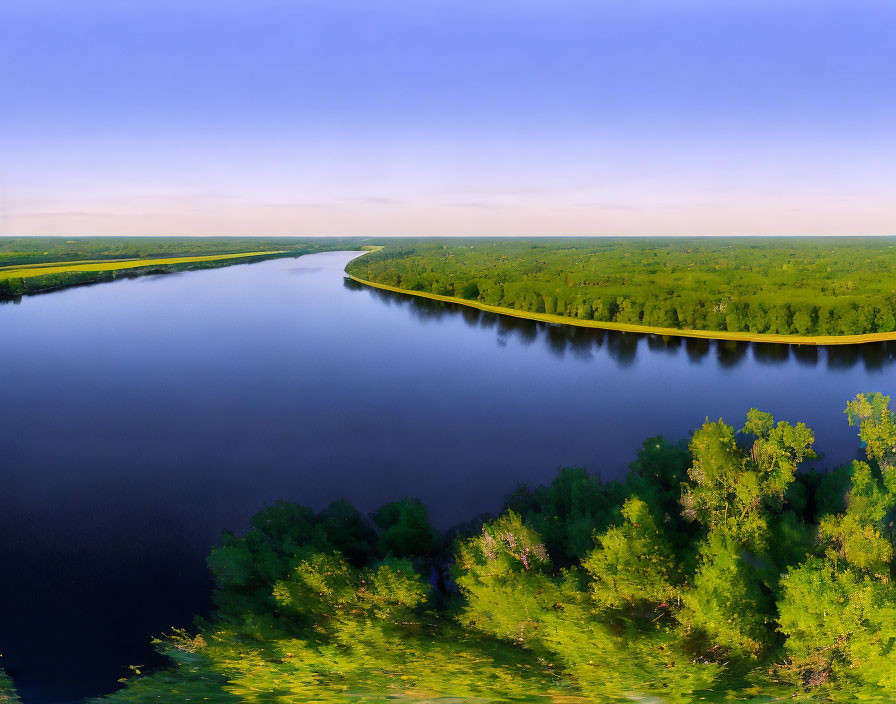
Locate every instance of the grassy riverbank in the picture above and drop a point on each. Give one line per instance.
(37, 278)
(32, 270)
(644, 329)
(36, 265)
(805, 290)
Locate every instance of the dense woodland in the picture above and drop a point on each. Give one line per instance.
(798, 286)
(23, 251)
(719, 570)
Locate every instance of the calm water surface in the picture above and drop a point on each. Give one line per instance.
(139, 419)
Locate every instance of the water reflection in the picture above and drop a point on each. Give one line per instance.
(623, 348)
(806, 355)
(771, 353)
(729, 353)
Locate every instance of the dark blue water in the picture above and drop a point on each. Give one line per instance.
(140, 418)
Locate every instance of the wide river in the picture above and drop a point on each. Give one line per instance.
(140, 418)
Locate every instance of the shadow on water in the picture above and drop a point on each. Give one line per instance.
(878, 355)
(806, 355)
(875, 356)
(584, 343)
(771, 353)
(663, 344)
(730, 353)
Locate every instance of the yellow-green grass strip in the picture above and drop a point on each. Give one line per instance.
(29, 271)
(645, 329)
(76, 261)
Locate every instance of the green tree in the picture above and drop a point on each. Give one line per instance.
(633, 564)
(802, 322)
(326, 586)
(504, 574)
(470, 290)
(406, 530)
(840, 627)
(568, 511)
(730, 489)
(729, 608)
(838, 610)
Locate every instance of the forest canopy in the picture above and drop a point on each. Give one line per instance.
(721, 569)
(785, 286)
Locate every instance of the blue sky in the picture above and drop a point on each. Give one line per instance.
(423, 117)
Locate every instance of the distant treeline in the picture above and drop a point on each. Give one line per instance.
(25, 251)
(20, 286)
(34, 250)
(789, 286)
(719, 570)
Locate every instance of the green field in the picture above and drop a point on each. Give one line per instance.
(806, 290)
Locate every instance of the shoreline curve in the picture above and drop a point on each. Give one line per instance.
(723, 335)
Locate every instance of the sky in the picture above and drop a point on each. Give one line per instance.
(457, 117)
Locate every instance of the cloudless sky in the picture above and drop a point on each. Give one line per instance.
(431, 117)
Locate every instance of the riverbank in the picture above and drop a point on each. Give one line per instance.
(52, 276)
(32, 270)
(724, 335)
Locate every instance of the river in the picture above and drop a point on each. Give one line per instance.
(140, 418)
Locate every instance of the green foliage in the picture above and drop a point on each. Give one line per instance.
(510, 592)
(20, 251)
(326, 586)
(25, 251)
(792, 539)
(833, 490)
(840, 627)
(470, 291)
(348, 531)
(406, 530)
(838, 610)
(567, 512)
(877, 429)
(729, 606)
(633, 563)
(859, 536)
(504, 574)
(736, 491)
(776, 582)
(789, 286)
(657, 475)
(282, 535)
